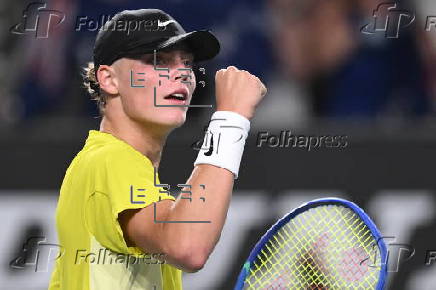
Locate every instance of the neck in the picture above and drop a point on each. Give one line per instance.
(145, 138)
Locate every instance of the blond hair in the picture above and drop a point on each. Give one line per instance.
(92, 86)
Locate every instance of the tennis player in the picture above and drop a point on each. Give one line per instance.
(118, 230)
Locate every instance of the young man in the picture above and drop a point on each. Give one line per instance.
(118, 229)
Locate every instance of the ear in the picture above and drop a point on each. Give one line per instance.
(106, 77)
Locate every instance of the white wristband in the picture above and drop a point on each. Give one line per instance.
(224, 141)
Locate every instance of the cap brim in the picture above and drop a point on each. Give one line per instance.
(203, 44)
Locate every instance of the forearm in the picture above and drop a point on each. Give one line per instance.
(204, 213)
(210, 186)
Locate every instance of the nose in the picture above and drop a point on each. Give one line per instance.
(181, 73)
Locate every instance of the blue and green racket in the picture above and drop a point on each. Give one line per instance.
(324, 244)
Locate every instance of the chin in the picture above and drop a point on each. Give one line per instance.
(172, 119)
(166, 118)
(178, 122)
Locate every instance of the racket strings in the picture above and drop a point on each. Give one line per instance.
(327, 247)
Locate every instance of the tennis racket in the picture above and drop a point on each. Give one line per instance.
(324, 244)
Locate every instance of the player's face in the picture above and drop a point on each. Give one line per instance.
(143, 87)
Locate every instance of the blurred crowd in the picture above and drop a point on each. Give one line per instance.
(312, 55)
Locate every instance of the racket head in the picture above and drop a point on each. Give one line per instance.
(377, 240)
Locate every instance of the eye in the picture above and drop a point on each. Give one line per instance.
(188, 63)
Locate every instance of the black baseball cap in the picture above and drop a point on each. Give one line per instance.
(134, 32)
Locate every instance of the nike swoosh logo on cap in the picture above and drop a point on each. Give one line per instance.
(165, 23)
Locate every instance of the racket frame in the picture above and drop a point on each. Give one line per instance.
(304, 207)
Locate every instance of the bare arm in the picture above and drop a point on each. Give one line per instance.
(188, 245)
(185, 245)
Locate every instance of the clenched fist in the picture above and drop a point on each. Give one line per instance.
(238, 91)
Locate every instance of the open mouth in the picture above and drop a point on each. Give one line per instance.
(180, 95)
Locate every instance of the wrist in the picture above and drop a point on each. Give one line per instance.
(243, 113)
(234, 118)
(224, 141)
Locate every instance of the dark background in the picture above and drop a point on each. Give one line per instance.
(324, 77)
